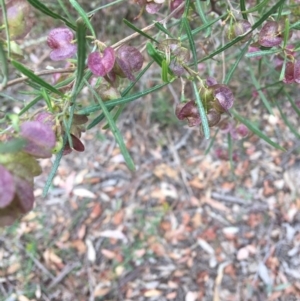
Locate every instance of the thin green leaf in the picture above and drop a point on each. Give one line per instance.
(66, 10)
(5, 19)
(132, 84)
(98, 119)
(122, 100)
(154, 54)
(54, 168)
(259, 91)
(282, 72)
(164, 71)
(3, 65)
(255, 130)
(160, 27)
(45, 10)
(81, 52)
(234, 66)
(30, 105)
(116, 116)
(230, 151)
(203, 27)
(262, 53)
(286, 31)
(202, 112)
(130, 25)
(114, 129)
(255, 8)
(67, 125)
(104, 6)
(84, 16)
(202, 16)
(211, 142)
(191, 40)
(243, 9)
(238, 39)
(35, 78)
(292, 102)
(295, 25)
(286, 121)
(47, 99)
(279, 13)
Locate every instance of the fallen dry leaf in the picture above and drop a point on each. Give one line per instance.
(152, 293)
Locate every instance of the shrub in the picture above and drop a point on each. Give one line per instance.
(265, 31)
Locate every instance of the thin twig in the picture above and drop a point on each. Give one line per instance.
(67, 269)
(228, 198)
(44, 72)
(116, 45)
(36, 262)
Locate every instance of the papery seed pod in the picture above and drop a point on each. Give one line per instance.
(292, 72)
(19, 21)
(46, 118)
(173, 5)
(60, 41)
(270, 35)
(16, 185)
(21, 203)
(7, 187)
(213, 117)
(223, 98)
(101, 65)
(210, 81)
(239, 28)
(153, 7)
(129, 60)
(188, 111)
(40, 139)
(242, 130)
(176, 68)
(289, 73)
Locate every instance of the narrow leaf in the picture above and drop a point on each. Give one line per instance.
(236, 63)
(54, 168)
(4, 15)
(255, 130)
(35, 78)
(286, 121)
(202, 112)
(243, 9)
(45, 10)
(160, 27)
(292, 102)
(164, 71)
(3, 65)
(105, 6)
(263, 52)
(84, 16)
(191, 40)
(202, 16)
(122, 100)
(114, 129)
(255, 8)
(260, 92)
(81, 52)
(142, 33)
